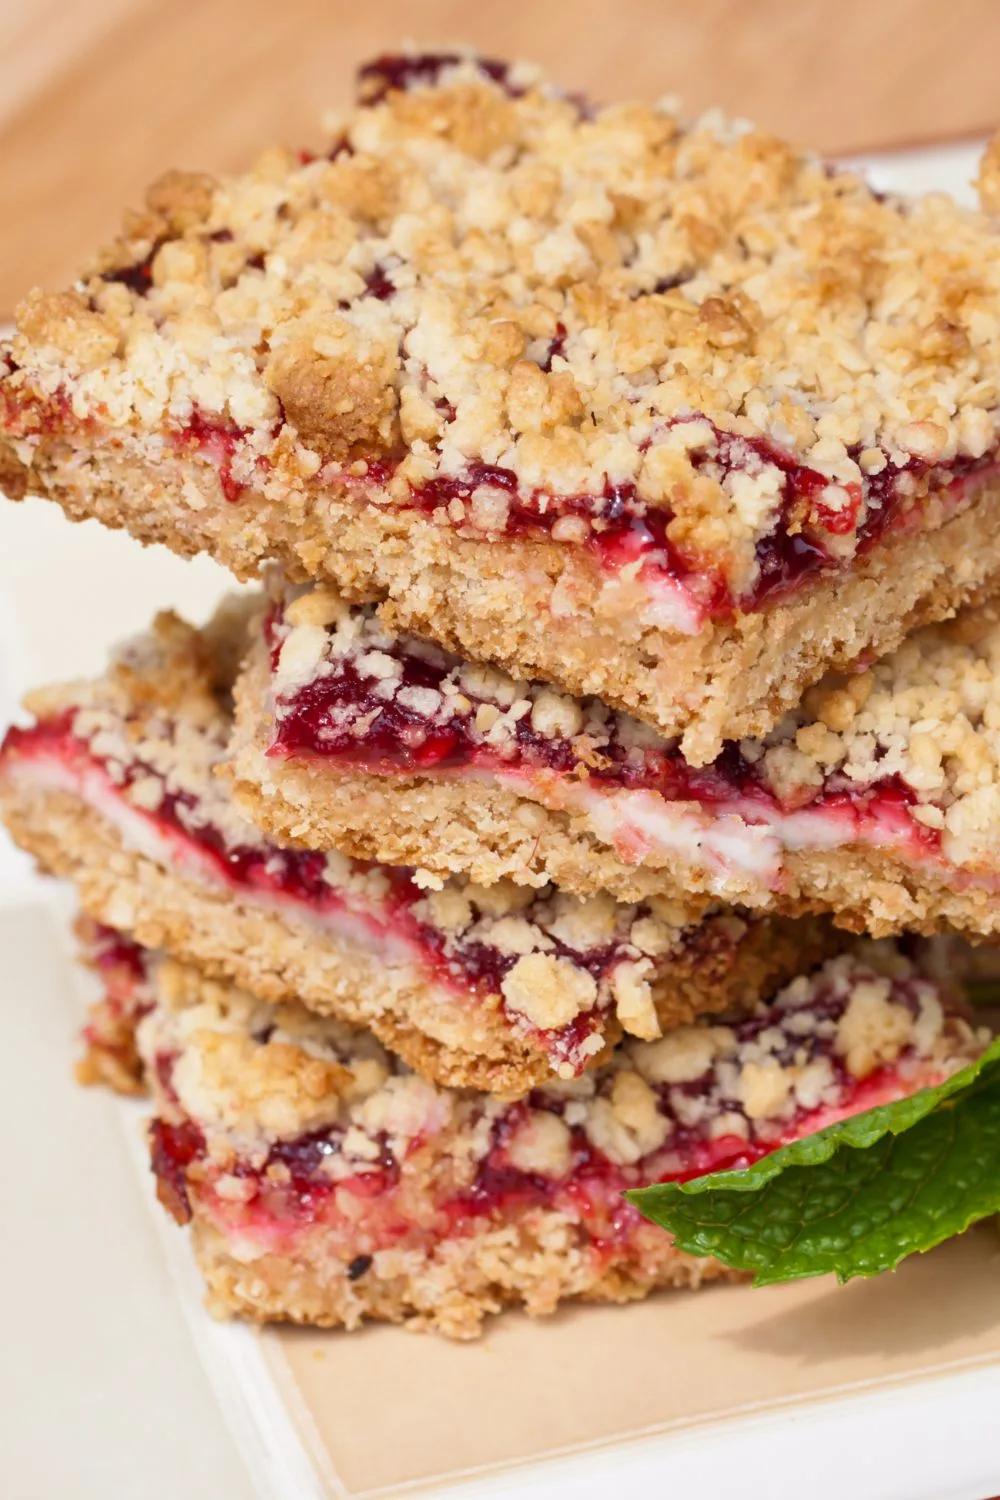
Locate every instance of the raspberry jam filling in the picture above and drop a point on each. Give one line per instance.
(378, 905)
(396, 705)
(119, 960)
(218, 443)
(403, 71)
(712, 1097)
(109, 1030)
(620, 529)
(816, 519)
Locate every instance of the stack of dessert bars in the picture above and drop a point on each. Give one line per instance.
(623, 500)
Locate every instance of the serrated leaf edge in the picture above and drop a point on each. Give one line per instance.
(856, 1131)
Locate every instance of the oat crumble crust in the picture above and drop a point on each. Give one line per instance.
(249, 1078)
(466, 1282)
(165, 702)
(483, 273)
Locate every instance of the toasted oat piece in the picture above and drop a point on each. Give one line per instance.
(326, 1184)
(877, 800)
(662, 411)
(497, 988)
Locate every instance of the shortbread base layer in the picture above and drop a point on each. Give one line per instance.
(531, 606)
(536, 1264)
(281, 959)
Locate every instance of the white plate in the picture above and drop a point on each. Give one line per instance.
(103, 1392)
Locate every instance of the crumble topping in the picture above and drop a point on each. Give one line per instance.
(683, 1055)
(926, 717)
(873, 1029)
(494, 304)
(549, 991)
(542, 1143)
(634, 999)
(666, 1108)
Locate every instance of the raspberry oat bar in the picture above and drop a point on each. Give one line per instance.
(666, 412)
(497, 988)
(877, 799)
(324, 1183)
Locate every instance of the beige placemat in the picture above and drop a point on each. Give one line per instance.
(383, 1410)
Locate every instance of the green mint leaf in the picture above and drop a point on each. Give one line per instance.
(853, 1199)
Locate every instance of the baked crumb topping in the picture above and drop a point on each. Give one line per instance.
(513, 312)
(831, 1043)
(925, 719)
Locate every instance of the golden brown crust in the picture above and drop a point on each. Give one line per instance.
(529, 606)
(867, 890)
(449, 1291)
(337, 403)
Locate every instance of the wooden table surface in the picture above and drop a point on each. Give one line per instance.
(98, 96)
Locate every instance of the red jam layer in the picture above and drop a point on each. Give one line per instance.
(469, 965)
(111, 952)
(121, 964)
(620, 527)
(218, 442)
(625, 529)
(301, 1195)
(339, 717)
(424, 69)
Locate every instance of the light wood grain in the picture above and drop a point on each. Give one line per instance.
(98, 96)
